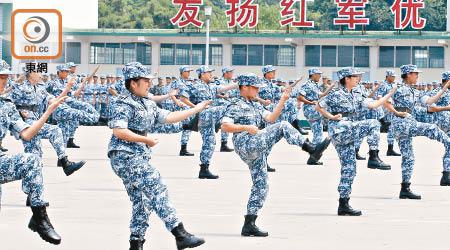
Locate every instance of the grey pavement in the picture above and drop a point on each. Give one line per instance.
(91, 209)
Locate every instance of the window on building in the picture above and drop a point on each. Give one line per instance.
(387, 55)
(328, 56)
(167, 54)
(271, 54)
(345, 56)
(198, 54)
(215, 54)
(144, 53)
(420, 56)
(62, 58)
(129, 52)
(362, 56)
(182, 54)
(73, 52)
(255, 54)
(286, 55)
(402, 55)
(436, 57)
(239, 54)
(312, 55)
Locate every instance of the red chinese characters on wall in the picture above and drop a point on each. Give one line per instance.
(351, 13)
(412, 16)
(242, 14)
(188, 13)
(288, 13)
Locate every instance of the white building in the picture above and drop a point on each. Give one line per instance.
(292, 54)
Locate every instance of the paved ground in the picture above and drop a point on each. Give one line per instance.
(91, 209)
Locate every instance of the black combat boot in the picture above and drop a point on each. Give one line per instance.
(375, 162)
(40, 223)
(445, 180)
(28, 203)
(316, 154)
(137, 244)
(185, 239)
(70, 167)
(358, 156)
(405, 192)
(205, 173)
(225, 148)
(297, 126)
(269, 169)
(184, 152)
(250, 229)
(391, 152)
(345, 209)
(71, 144)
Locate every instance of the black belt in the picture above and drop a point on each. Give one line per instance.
(143, 133)
(346, 114)
(30, 108)
(407, 110)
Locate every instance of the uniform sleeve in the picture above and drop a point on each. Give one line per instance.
(16, 93)
(324, 101)
(303, 90)
(231, 113)
(365, 102)
(120, 114)
(185, 91)
(160, 114)
(17, 125)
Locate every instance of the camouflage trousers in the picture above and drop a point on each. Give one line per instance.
(25, 167)
(254, 149)
(345, 143)
(146, 191)
(405, 129)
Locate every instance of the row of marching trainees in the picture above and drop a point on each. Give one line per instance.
(257, 111)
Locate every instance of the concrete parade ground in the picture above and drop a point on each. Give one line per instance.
(91, 209)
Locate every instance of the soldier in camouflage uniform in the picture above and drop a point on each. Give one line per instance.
(180, 84)
(69, 119)
(245, 118)
(385, 88)
(309, 93)
(341, 107)
(223, 100)
(405, 104)
(26, 167)
(29, 96)
(442, 119)
(209, 118)
(131, 117)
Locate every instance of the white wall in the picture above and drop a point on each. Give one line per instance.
(376, 73)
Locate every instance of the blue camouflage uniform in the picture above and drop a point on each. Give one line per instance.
(181, 84)
(130, 160)
(404, 129)
(223, 101)
(442, 119)
(267, 91)
(311, 92)
(253, 149)
(29, 98)
(344, 132)
(69, 119)
(385, 88)
(199, 92)
(26, 167)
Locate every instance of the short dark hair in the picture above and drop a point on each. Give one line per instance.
(443, 81)
(404, 76)
(128, 81)
(342, 81)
